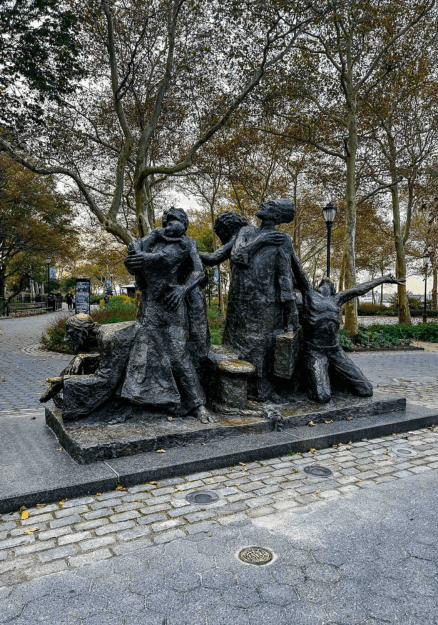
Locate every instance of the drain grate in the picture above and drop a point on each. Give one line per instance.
(405, 451)
(317, 470)
(256, 555)
(202, 496)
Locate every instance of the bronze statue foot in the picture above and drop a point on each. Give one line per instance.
(202, 414)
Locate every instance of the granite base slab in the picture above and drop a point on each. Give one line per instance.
(88, 443)
(35, 469)
(218, 454)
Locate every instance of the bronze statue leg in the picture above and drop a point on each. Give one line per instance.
(187, 379)
(346, 371)
(318, 381)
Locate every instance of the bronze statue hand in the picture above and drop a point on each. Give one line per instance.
(76, 367)
(394, 280)
(134, 262)
(56, 385)
(173, 298)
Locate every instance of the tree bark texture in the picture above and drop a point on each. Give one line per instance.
(404, 315)
(350, 219)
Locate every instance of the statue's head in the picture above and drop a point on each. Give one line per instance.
(278, 211)
(80, 332)
(175, 222)
(227, 225)
(327, 287)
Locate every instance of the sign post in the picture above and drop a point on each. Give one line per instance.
(82, 296)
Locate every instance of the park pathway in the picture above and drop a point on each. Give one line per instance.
(23, 367)
(357, 547)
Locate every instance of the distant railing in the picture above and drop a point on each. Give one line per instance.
(20, 304)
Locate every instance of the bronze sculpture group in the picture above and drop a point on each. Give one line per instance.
(158, 363)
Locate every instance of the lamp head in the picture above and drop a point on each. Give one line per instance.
(329, 213)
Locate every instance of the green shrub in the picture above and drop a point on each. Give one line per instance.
(216, 323)
(414, 302)
(345, 341)
(420, 332)
(420, 312)
(121, 303)
(54, 336)
(376, 337)
(371, 309)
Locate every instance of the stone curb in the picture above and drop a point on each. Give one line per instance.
(132, 470)
(394, 348)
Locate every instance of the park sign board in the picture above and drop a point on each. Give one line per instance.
(82, 296)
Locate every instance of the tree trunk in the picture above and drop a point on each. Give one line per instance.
(2, 283)
(342, 275)
(404, 315)
(350, 218)
(297, 236)
(297, 222)
(219, 290)
(434, 287)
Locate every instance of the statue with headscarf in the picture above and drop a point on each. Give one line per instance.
(261, 299)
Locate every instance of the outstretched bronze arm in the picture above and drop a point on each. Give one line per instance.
(219, 256)
(361, 289)
(302, 280)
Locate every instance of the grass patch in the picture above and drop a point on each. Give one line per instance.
(402, 331)
(216, 323)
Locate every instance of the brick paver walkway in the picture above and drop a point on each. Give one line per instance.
(359, 546)
(77, 532)
(22, 375)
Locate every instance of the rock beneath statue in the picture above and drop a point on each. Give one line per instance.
(234, 382)
(287, 351)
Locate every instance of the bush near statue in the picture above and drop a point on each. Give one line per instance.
(158, 363)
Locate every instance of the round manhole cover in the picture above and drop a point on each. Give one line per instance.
(202, 496)
(256, 555)
(405, 451)
(317, 470)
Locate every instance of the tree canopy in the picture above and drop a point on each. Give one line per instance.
(39, 59)
(35, 221)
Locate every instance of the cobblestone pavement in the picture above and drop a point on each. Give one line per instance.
(24, 368)
(360, 546)
(389, 321)
(414, 374)
(22, 374)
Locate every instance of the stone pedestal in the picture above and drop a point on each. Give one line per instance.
(234, 382)
(138, 432)
(287, 349)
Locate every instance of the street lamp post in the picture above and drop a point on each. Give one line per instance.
(329, 214)
(48, 276)
(426, 257)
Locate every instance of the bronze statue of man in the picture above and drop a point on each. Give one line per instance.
(93, 375)
(323, 356)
